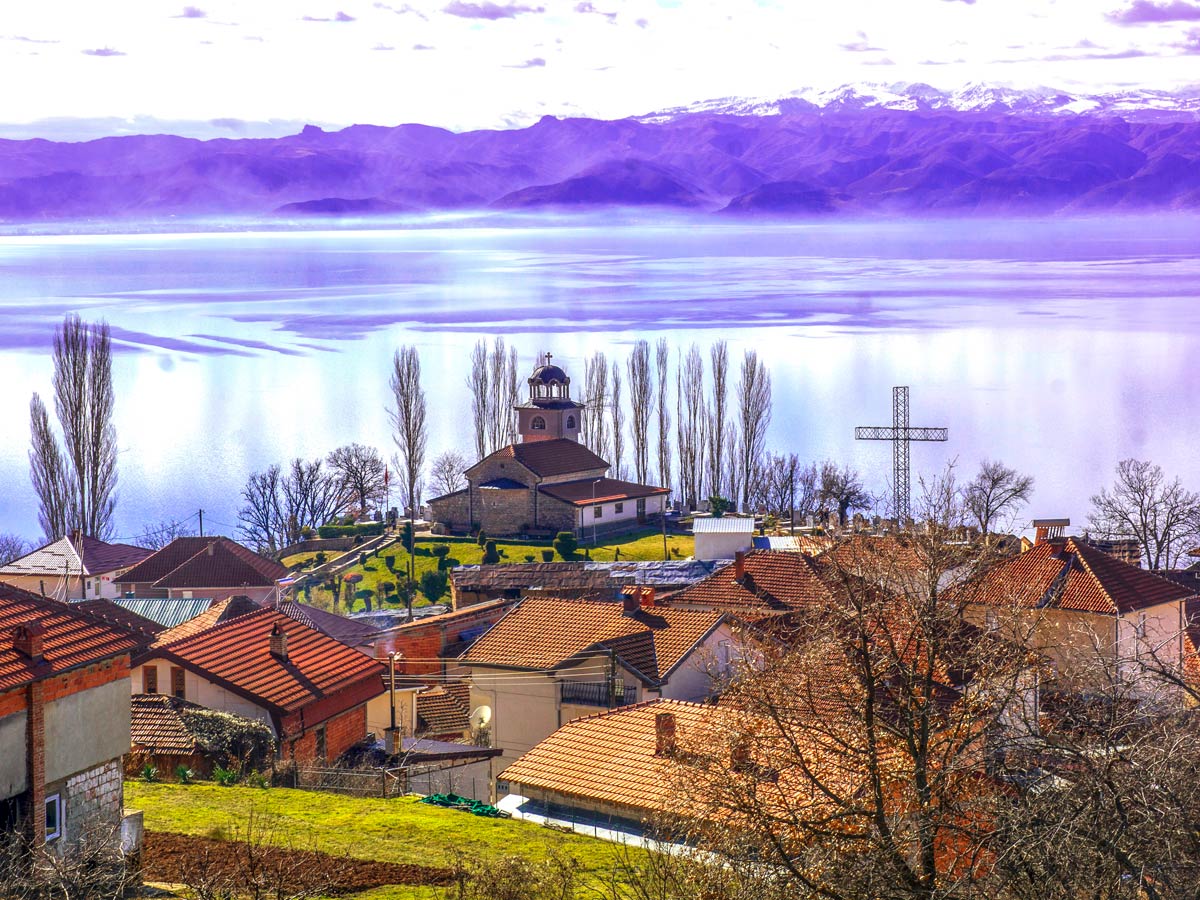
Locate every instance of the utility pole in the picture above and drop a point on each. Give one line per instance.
(201, 523)
(792, 497)
(612, 678)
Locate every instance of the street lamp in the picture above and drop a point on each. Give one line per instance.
(392, 742)
(594, 483)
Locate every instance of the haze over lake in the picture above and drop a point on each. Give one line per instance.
(1059, 346)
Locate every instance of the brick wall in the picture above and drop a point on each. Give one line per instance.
(12, 702)
(94, 796)
(342, 732)
(92, 676)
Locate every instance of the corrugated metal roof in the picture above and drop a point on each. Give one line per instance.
(167, 612)
(723, 525)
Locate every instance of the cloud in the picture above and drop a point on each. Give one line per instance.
(882, 61)
(862, 45)
(401, 10)
(102, 51)
(585, 6)
(642, 23)
(464, 9)
(1191, 43)
(968, 2)
(423, 47)
(1131, 53)
(536, 63)
(340, 17)
(382, 47)
(29, 40)
(1142, 11)
(191, 12)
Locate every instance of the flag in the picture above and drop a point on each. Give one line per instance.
(385, 476)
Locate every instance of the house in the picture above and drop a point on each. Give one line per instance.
(1087, 610)
(549, 661)
(616, 766)
(212, 567)
(73, 568)
(64, 716)
(760, 584)
(168, 732)
(547, 482)
(720, 537)
(576, 580)
(311, 689)
(808, 544)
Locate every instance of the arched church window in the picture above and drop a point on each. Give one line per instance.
(538, 424)
(570, 421)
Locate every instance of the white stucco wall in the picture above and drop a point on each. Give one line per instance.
(608, 512)
(13, 777)
(722, 545)
(85, 728)
(200, 690)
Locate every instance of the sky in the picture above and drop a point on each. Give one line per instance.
(257, 67)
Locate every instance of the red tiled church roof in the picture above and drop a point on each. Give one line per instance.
(560, 456)
(606, 490)
(237, 653)
(543, 633)
(71, 638)
(1069, 574)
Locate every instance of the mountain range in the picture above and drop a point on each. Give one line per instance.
(892, 149)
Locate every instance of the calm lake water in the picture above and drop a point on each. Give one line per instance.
(1060, 347)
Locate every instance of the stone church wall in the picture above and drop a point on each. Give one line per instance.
(452, 511)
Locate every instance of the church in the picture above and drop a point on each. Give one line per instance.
(547, 482)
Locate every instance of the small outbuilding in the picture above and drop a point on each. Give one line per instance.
(722, 537)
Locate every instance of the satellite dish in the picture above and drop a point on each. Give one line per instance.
(480, 716)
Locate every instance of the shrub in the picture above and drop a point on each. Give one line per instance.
(362, 559)
(149, 773)
(306, 532)
(547, 556)
(368, 529)
(229, 740)
(566, 544)
(490, 555)
(718, 505)
(434, 584)
(320, 558)
(347, 520)
(481, 538)
(225, 777)
(258, 780)
(406, 537)
(183, 774)
(529, 557)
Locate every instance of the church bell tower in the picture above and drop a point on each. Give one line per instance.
(549, 413)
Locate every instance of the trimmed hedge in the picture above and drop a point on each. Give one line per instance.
(368, 529)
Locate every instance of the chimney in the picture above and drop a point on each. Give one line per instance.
(664, 734)
(647, 597)
(1049, 530)
(740, 759)
(739, 566)
(630, 602)
(209, 548)
(27, 639)
(279, 643)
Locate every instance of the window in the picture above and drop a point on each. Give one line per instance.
(321, 748)
(597, 512)
(178, 686)
(570, 421)
(97, 584)
(619, 508)
(150, 680)
(537, 423)
(1140, 628)
(53, 817)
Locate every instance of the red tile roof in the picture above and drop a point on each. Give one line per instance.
(83, 556)
(1069, 574)
(580, 493)
(221, 611)
(610, 757)
(236, 653)
(543, 633)
(560, 456)
(100, 557)
(155, 724)
(72, 638)
(211, 562)
(444, 709)
(774, 581)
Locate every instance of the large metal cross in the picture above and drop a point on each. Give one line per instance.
(900, 434)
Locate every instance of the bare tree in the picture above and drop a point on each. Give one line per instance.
(362, 471)
(641, 406)
(754, 416)
(841, 490)
(261, 520)
(717, 413)
(786, 487)
(690, 422)
(83, 402)
(155, 536)
(996, 491)
(1143, 505)
(502, 377)
(409, 428)
(446, 472)
(311, 496)
(12, 546)
(662, 363)
(481, 398)
(618, 423)
(48, 470)
(595, 377)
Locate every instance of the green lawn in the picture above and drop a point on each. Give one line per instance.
(645, 545)
(400, 830)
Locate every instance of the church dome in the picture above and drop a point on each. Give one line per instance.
(548, 374)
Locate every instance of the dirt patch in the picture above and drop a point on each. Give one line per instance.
(182, 858)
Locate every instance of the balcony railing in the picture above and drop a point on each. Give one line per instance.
(592, 694)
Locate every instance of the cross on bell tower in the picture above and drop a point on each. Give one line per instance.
(549, 413)
(900, 434)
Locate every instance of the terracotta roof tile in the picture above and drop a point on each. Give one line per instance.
(155, 724)
(221, 611)
(560, 456)
(212, 562)
(444, 710)
(83, 556)
(237, 652)
(1069, 574)
(774, 581)
(100, 557)
(72, 638)
(352, 632)
(607, 490)
(609, 757)
(543, 633)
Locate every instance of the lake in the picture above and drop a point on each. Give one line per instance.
(1058, 346)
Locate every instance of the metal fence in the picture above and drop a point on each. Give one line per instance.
(353, 782)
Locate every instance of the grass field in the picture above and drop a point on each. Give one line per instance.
(400, 830)
(646, 545)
